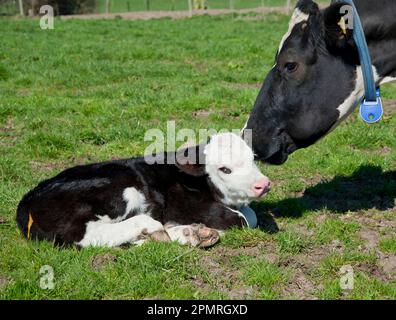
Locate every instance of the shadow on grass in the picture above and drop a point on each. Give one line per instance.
(367, 188)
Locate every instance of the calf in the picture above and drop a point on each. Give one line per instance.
(127, 201)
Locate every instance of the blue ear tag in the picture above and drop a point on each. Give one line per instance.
(372, 111)
(250, 216)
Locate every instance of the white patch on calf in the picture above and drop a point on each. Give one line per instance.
(297, 17)
(135, 200)
(105, 233)
(350, 103)
(230, 151)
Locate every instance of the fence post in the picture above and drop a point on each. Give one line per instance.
(147, 2)
(232, 5)
(21, 8)
(288, 5)
(107, 6)
(190, 8)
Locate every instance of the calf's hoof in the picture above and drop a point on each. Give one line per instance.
(205, 237)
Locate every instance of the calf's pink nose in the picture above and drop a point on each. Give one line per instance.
(261, 187)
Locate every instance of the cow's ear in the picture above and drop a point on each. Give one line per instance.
(308, 7)
(191, 160)
(338, 26)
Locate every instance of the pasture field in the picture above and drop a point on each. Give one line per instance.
(87, 91)
(141, 5)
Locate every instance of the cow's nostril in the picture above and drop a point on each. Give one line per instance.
(261, 187)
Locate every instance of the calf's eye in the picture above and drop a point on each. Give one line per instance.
(225, 170)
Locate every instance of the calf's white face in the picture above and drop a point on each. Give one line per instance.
(231, 168)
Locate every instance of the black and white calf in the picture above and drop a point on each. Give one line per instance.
(127, 201)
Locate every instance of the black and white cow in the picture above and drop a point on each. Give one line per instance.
(126, 201)
(317, 80)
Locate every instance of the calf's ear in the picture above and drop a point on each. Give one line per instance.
(338, 26)
(191, 160)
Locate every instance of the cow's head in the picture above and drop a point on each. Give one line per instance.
(314, 84)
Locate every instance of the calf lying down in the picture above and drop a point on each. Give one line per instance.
(131, 200)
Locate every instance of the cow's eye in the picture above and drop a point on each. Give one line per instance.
(290, 67)
(225, 170)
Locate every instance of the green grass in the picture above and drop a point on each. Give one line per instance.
(88, 91)
(388, 245)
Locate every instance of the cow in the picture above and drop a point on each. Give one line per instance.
(166, 196)
(317, 79)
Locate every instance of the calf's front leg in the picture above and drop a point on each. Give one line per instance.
(221, 217)
(104, 233)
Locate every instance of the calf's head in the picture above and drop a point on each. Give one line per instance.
(228, 162)
(314, 84)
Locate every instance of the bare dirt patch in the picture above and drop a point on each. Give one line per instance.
(3, 220)
(370, 232)
(4, 281)
(62, 165)
(388, 264)
(199, 66)
(384, 150)
(99, 261)
(311, 257)
(373, 270)
(45, 166)
(389, 107)
(148, 15)
(243, 292)
(223, 276)
(202, 114)
(301, 228)
(24, 92)
(244, 85)
(7, 134)
(8, 126)
(299, 287)
(374, 221)
(370, 237)
(314, 179)
(381, 151)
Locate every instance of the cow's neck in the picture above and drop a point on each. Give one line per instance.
(379, 24)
